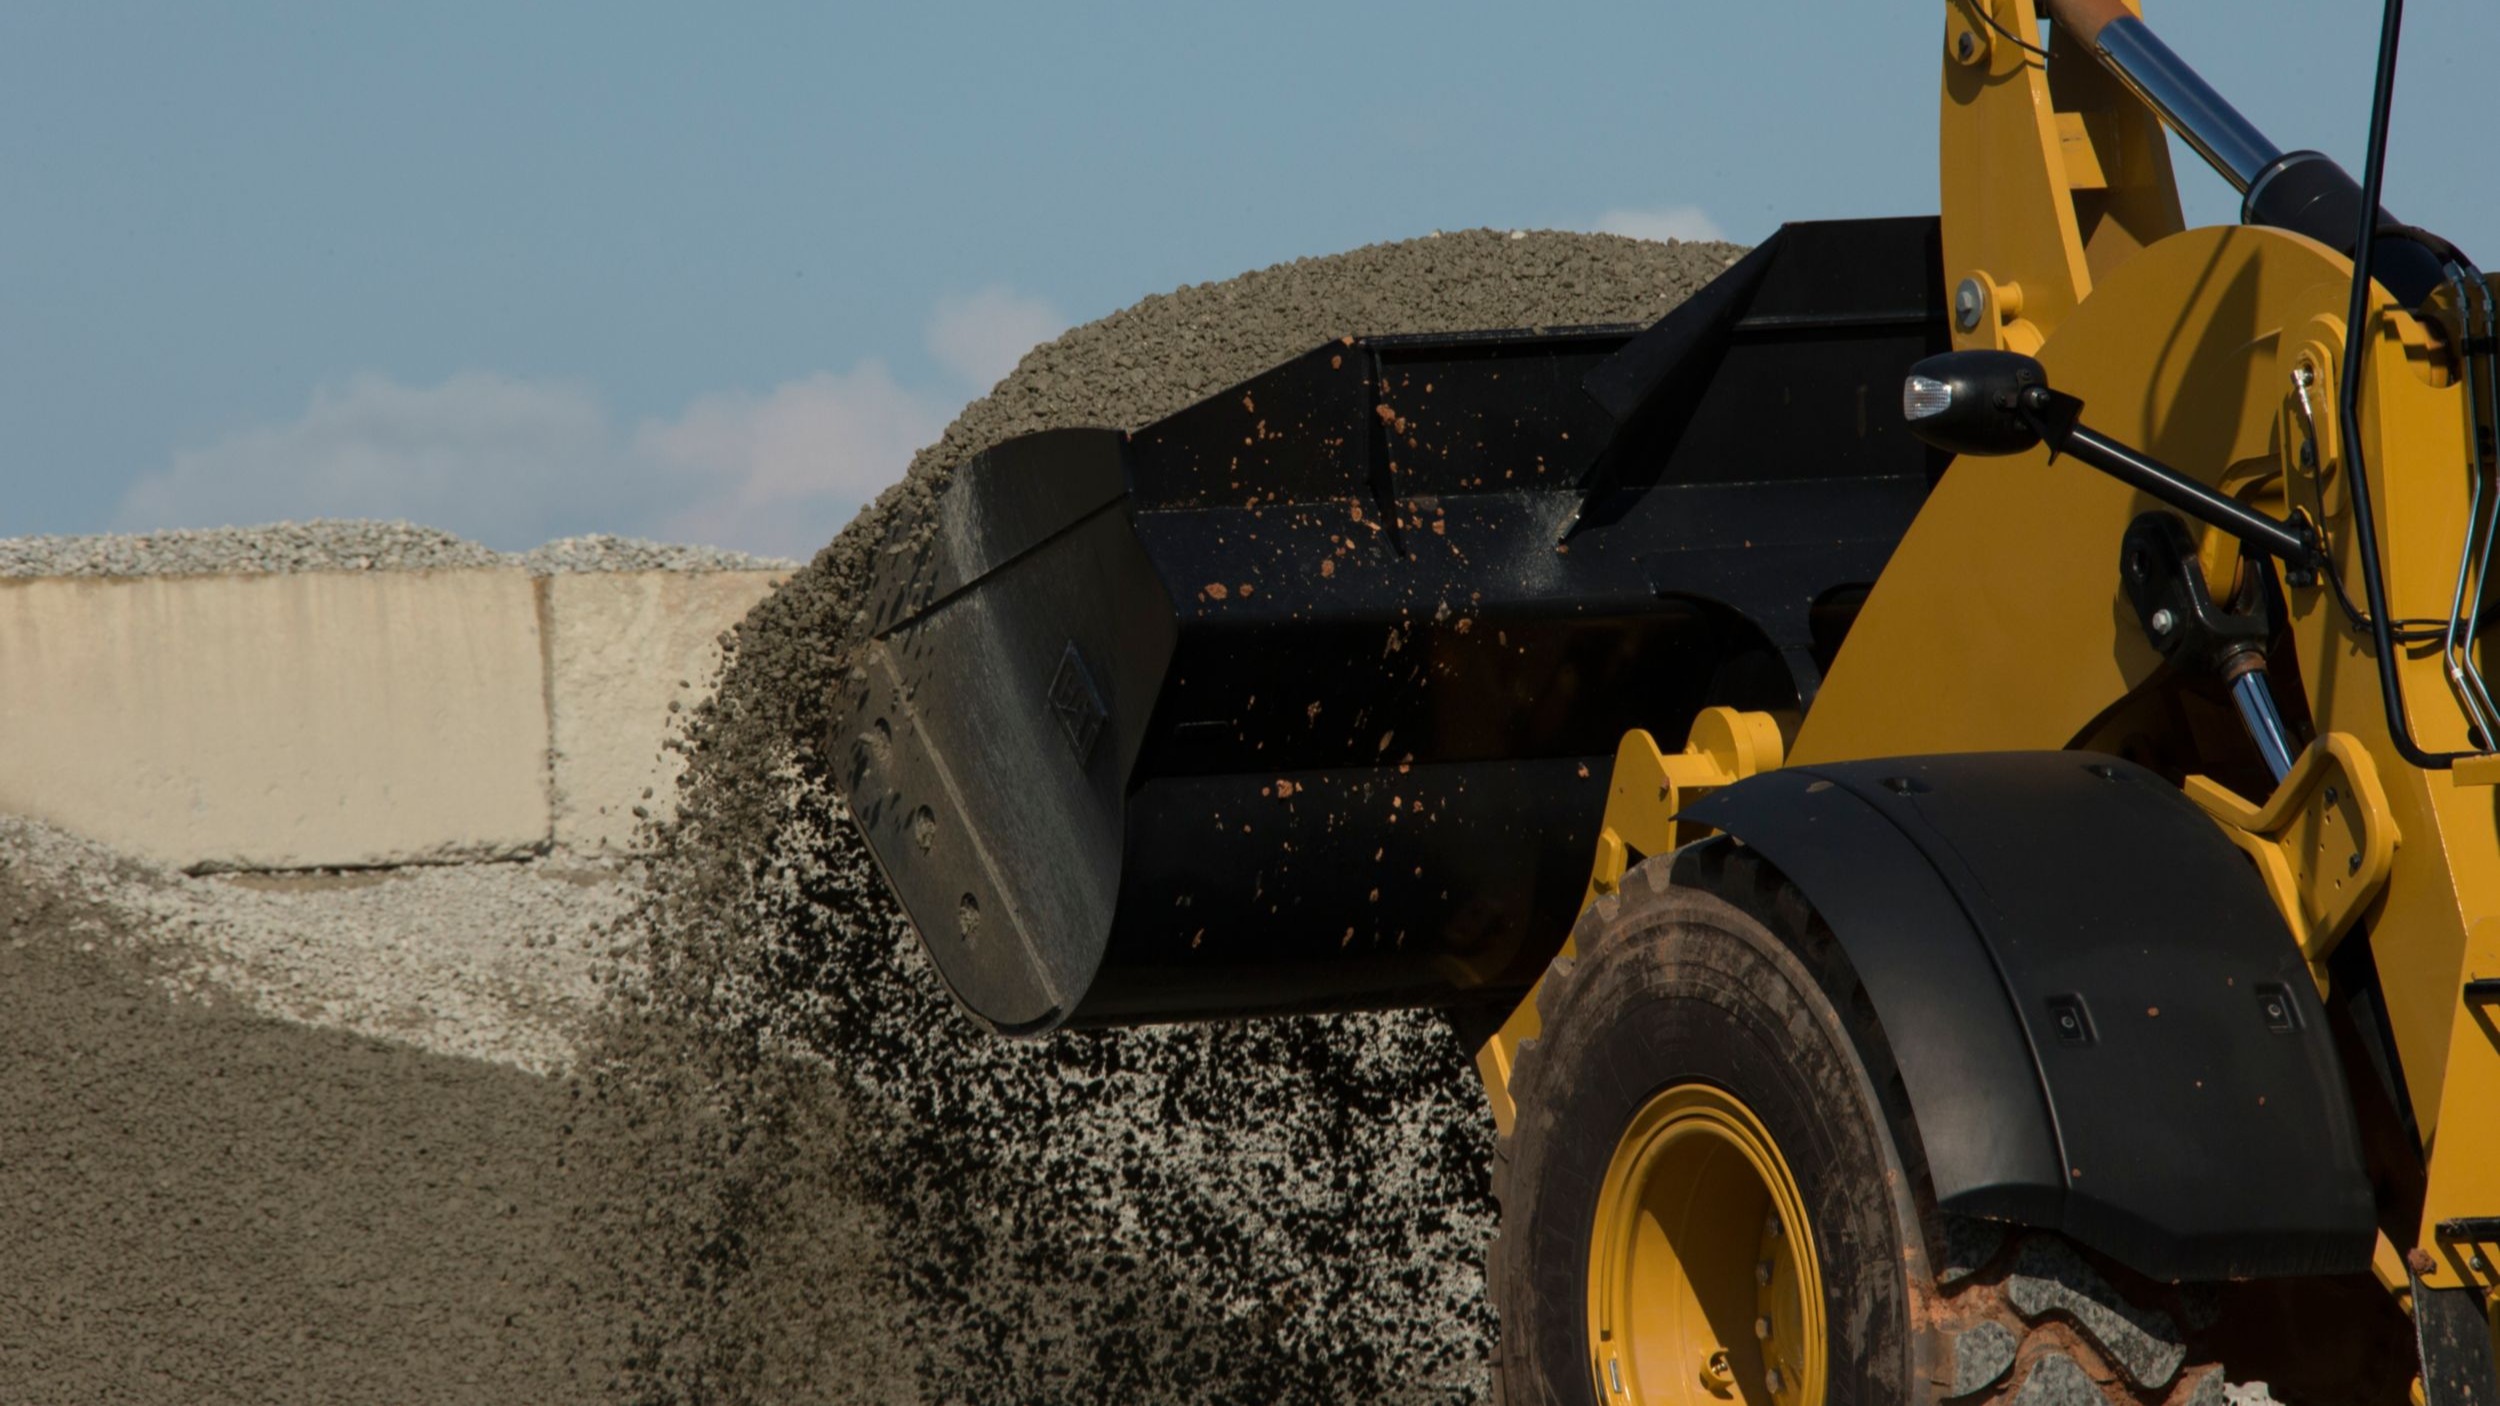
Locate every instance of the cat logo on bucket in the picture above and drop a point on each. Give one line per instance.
(1078, 703)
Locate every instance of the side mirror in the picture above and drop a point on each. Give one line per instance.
(1985, 402)
(1996, 402)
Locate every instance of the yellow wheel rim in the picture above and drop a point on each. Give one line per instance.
(1703, 1285)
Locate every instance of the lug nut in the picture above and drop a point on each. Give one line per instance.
(1762, 1329)
(1762, 1273)
(1775, 1381)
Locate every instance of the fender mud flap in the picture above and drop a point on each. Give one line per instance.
(2102, 1023)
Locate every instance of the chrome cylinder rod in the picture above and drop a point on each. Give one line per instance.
(2265, 725)
(2177, 94)
(2301, 191)
(2185, 102)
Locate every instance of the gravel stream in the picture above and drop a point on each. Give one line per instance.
(1282, 1211)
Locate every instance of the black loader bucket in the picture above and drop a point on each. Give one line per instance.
(1304, 698)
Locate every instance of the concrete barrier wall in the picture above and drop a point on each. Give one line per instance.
(623, 650)
(336, 719)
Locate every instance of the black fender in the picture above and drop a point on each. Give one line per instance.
(2102, 1023)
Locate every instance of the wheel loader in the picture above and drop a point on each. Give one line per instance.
(1954, 778)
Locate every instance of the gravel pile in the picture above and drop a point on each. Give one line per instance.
(333, 545)
(207, 1203)
(492, 962)
(344, 544)
(1173, 349)
(601, 552)
(1283, 1211)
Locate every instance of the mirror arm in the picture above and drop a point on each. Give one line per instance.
(2056, 416)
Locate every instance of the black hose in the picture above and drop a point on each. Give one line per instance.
(2348, 405)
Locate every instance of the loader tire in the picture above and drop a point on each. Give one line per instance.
(1687, 1032)
(1711, 1116)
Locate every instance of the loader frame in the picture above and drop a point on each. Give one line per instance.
(2000, 627)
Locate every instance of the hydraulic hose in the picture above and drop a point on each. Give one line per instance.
(2348, 408)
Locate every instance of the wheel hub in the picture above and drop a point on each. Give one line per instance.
(1703, 1284)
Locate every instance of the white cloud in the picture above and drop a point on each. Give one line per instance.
(513, 462)
(981, 336)
(507, 461)
(1689, 222)
(781, 472)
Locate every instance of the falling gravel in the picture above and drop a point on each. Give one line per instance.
(849, 1193)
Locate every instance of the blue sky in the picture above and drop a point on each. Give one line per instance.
(526, 270)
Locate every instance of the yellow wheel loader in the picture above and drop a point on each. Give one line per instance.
(1955, 777)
